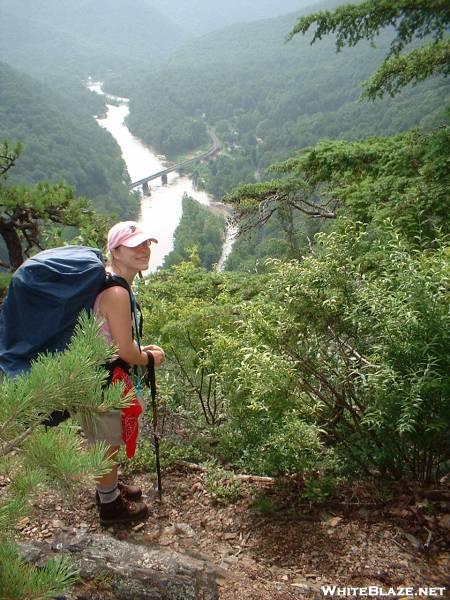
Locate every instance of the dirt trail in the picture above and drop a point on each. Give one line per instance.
(289, 551)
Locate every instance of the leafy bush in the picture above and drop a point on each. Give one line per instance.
(221, 484)
(340, 359)
(170, 452)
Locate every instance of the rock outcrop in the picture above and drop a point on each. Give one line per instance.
(133, 571)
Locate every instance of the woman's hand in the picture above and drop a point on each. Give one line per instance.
(158, 353)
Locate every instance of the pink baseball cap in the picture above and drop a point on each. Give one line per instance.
(128, 233)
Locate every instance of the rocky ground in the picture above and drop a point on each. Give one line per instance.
(271, 545)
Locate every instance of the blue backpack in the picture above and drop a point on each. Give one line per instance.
(44, 300)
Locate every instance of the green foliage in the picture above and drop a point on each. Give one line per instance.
(20, 581)
(59, 456)
(142, 462)
(42, 215)
(199, 228)
(377, 343)
(71, 380)
(403, 179)
(412, 20)
(199, 324)
(5, 278)
(337, 362)
(274, 221)
(170, 453)
(221, 484)
(263, 504)
(35, 458)
(319, 488)
(355, 22)
(399, 71)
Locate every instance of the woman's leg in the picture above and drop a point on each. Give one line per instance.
(111, 477)
(107, 485)
(113, 498)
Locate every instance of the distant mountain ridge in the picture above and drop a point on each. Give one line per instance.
(261, 40)
(202, 16)
(88, 36)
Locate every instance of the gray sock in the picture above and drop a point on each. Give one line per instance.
(107, 493)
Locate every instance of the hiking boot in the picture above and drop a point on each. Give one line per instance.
(130, 492)
(121, 510)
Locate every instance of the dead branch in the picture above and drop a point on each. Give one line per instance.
(10, 446)
(247, 478)
(316, 212)
(350, 348)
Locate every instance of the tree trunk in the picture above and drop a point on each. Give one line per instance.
(135, 571)
(13, 245)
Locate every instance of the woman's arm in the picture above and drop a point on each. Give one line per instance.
(115, 309)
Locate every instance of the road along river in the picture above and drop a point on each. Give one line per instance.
(161, 211)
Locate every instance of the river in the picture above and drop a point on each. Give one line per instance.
(161, 211)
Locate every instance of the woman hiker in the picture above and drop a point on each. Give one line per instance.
(129, 248)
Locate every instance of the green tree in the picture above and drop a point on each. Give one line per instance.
(32, 216)
(184, 300)
(404, 179)
(412, 19)
(34, 458)
(201, 228)
(335, 363)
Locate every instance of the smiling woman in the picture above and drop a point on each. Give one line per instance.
(136, 256)
(129, 246)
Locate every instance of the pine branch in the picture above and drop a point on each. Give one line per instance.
(20, 580)
(398, 71)
(62, 459)
(14, 444)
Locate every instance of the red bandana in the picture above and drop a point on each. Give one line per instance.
(130, 414)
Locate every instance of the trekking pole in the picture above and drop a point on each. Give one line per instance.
(151, 382)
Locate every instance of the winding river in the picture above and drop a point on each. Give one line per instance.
(160, 211)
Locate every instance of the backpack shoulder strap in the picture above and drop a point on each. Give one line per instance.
(115, 280)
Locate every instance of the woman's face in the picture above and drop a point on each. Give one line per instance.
(136, 258)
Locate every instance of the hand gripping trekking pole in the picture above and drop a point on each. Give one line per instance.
(150, 380)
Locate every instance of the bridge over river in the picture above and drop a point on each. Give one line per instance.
(163, 174)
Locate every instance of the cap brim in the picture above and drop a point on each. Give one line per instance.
(138, 239)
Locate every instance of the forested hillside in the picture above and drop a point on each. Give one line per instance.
(62, 142)
(266, 98)
(86, 37)
(201, 16)
(199, 234)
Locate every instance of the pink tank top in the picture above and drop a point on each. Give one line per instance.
(105, 330)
